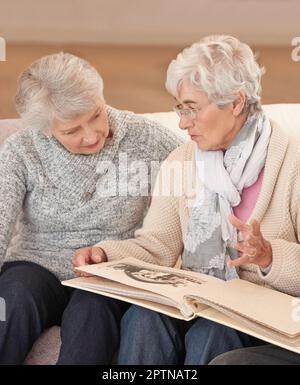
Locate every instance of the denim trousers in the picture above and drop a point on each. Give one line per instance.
(35, 300)
(151, 338)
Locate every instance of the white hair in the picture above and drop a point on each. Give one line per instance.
(220, 66)
(57, 87)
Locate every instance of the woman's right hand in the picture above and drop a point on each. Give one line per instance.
(87, 256)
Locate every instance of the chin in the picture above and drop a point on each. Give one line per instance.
(200, 143)
(90, 151)
(205, 146)
(202, 146)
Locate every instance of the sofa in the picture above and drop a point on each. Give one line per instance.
(46, 349)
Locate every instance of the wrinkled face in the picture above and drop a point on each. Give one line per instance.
(86, 134)
(211, 127)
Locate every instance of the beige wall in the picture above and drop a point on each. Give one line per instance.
(118, 32)
(163, 22)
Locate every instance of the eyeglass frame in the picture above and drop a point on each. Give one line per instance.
(189, 113)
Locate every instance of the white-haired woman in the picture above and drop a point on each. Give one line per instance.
(248, 174)
(60, 176)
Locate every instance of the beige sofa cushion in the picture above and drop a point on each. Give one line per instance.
(8, 127)
(45, 350)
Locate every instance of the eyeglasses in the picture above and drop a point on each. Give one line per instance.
(189, 113)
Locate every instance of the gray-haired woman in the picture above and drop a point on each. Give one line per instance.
(248, 174)
(63, 176)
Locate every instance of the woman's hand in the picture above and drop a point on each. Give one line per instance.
(87, 256)
(254, 248)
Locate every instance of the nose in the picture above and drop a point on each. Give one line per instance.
(90, 136)
(185, 123)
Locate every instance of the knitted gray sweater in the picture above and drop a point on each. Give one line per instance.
(63, 201)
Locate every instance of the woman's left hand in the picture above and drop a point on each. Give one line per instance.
(254, 248)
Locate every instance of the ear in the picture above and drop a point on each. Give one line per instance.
(239, 104)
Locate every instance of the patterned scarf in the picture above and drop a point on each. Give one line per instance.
(210, 239)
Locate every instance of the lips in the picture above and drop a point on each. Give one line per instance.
(92, 145)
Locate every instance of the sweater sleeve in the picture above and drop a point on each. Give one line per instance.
(284, 272)
(159, 241)
(12, 193)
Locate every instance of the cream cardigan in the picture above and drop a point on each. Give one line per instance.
(160, 240)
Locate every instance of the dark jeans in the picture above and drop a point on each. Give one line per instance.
(259, 355)
(36, 300)
(151, 338)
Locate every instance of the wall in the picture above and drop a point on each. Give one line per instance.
(173, 22)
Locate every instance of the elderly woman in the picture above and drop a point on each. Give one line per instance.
(248, 174)
(56, 177)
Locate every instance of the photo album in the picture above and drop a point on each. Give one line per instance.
(256, 310)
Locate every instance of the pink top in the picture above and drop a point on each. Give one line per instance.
(248, 199)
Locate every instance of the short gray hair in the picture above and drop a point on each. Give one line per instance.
(60, 86)
(220, 66)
